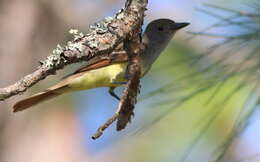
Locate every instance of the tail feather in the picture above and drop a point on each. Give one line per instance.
(35, 99)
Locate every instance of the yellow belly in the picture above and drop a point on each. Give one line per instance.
(102, 77)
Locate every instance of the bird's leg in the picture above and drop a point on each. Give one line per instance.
(111, 89)
(112, 93)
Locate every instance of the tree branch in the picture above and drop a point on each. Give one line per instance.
(134, 48)
(104, 36)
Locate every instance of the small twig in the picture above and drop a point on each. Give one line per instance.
(102, 128)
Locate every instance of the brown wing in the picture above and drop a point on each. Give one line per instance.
(101, 61)
(95, 63)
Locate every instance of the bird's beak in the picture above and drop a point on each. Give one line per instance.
(178, 26)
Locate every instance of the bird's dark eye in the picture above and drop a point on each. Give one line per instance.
(160, 28)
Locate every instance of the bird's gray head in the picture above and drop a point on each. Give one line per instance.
(156, 37)
(162, 29)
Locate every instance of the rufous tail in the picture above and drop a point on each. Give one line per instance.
(35, 99)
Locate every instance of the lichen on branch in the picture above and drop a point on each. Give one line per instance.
(103, 37)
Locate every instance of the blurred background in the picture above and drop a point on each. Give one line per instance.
(197, 104)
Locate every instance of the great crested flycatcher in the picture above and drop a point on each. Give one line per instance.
(110, 71)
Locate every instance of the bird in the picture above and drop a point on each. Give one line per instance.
(110, 71)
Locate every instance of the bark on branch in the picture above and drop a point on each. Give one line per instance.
(125, 109)
(103, 37)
